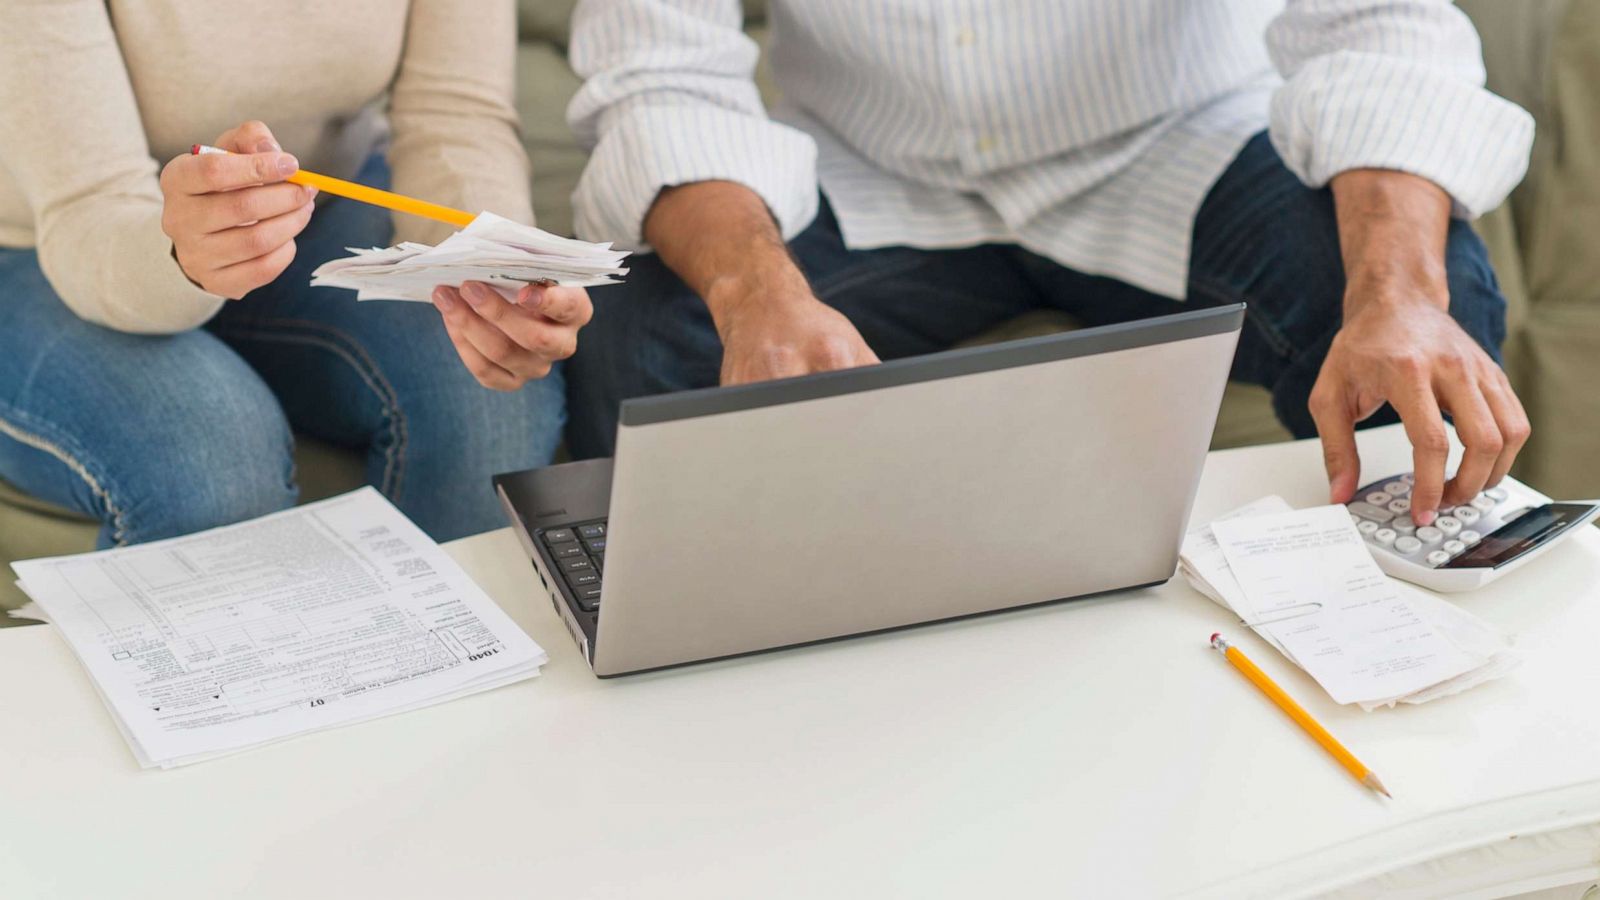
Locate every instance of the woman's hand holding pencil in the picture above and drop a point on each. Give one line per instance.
(233, 217)
(233, 211)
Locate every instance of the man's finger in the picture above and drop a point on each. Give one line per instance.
(1513, 421)
(570, 306)
(1336, 426)
(208, 173)
(1480, 435)
(237, 245)
(231, 209)
(1430, 449)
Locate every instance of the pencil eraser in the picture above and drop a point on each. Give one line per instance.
(194, 149)
(1214, 636)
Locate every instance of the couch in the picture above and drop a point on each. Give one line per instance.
(1544, 54)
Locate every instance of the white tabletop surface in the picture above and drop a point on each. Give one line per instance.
(1096, 748)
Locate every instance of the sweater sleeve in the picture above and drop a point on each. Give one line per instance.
(71, 137)
(456, 139)
(1394, 84)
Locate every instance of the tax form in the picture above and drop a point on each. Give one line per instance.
(315, 617)
(1309, 577)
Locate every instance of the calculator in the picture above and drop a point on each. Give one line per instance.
(1467, 545)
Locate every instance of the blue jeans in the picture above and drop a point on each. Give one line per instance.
(158, 436)
(1261, 236)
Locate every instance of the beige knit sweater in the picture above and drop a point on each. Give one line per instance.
(96, 96)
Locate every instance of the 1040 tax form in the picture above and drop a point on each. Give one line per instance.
(311, 618)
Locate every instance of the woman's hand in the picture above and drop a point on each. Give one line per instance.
(232, 218)
(505, 345)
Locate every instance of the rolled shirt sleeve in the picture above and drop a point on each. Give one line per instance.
(670, 98)
(1378, 84)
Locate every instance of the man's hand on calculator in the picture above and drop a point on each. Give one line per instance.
(1417, 359)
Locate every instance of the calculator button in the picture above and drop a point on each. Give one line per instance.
(1409, 478)
(591, 531)
(1401, 505)
(1438, 558)
(570, 548)
(1367, 528)
(1384, 536)
(1450, 525)
(1379, 498)
(1397, 489)
(558, 536)
(1407, 544)
(1453, 547)
(1368, 511)
(1496, 494)
(1469, 537)
(1403, 524)
(1466, 515)
(1483, 503)
(1429, 534)
(1355, 519)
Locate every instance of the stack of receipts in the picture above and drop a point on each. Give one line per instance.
(321, 616)
(1305, 581)
(494, 250)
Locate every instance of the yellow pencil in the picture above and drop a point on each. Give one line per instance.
(1296, 712)
(386, 199)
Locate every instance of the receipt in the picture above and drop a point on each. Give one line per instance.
(1363, 640)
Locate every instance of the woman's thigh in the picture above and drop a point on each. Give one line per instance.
(155, 436)
(383, 376)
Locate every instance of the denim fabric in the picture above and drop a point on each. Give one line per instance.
(1261, 236)
(163, 435)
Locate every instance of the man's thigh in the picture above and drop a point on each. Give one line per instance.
(653, 334)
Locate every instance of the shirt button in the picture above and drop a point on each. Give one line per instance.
(965, 36)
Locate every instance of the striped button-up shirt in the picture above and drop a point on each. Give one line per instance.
(1088, 131)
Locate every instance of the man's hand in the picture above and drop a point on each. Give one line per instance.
(1399, 345)
(232, 219)
(721, 240)
(766, 337)
(505, 345)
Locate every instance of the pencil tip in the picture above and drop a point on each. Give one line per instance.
(1371, 781)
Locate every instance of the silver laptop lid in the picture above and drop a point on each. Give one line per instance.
(779, 513)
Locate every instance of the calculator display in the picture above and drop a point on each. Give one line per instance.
(1524, 533)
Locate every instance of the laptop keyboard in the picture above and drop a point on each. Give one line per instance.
(579, 553)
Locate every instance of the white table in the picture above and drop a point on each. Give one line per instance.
(1090, 748)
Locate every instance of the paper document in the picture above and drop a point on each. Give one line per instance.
(320, 616)
(492, 249)
(1305, 581)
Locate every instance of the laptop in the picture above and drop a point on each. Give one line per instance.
(743, 519)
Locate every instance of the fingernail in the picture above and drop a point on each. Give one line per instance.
(311, 192)
(1424, 518)
(288, 165)
(267, 145)
(475, 293)
(443, 300)
(532, 296)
